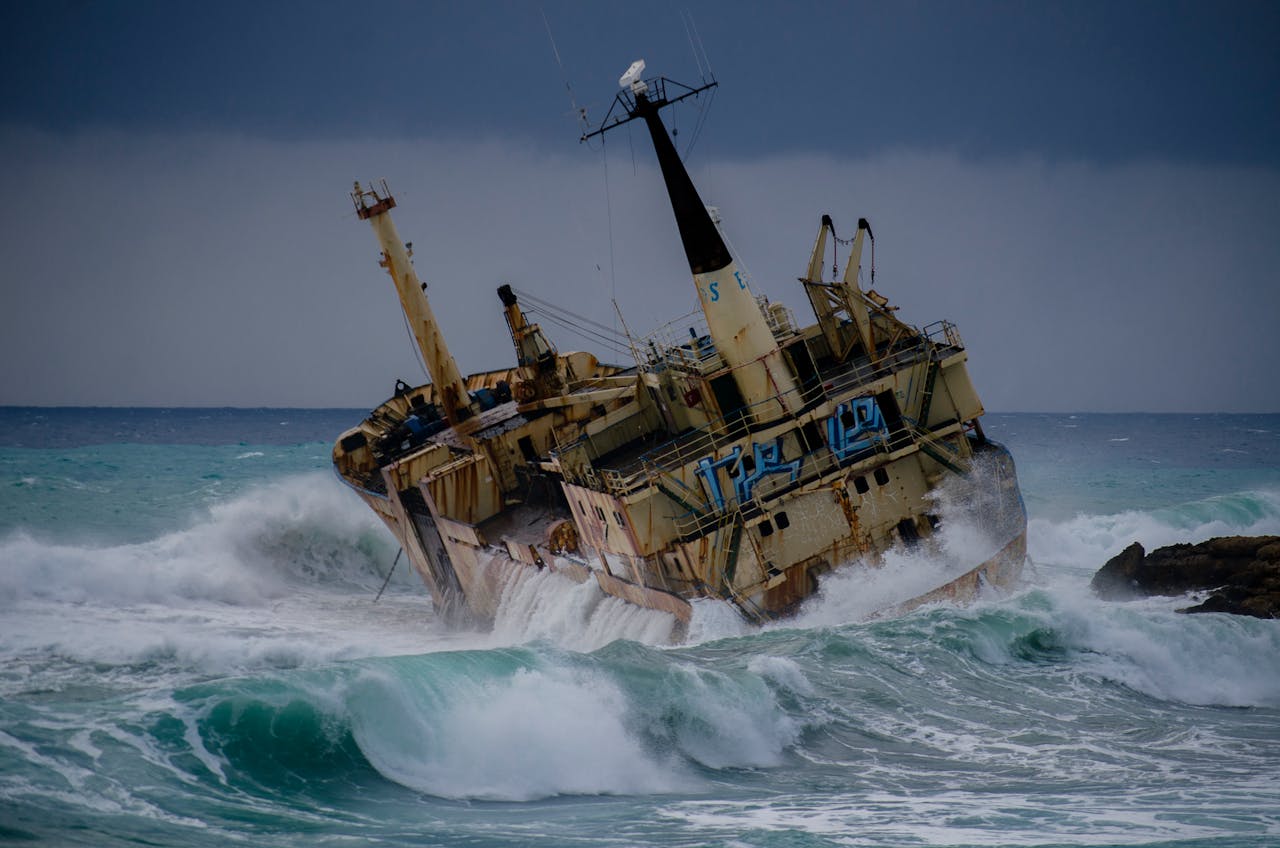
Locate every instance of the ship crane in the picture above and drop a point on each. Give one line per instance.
(844, 298)
(374, 205)
(544, 373)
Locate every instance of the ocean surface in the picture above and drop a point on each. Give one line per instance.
(191, 654)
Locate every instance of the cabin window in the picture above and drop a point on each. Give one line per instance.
(802, 364)
(811, 435)
(618, 517)
(527, 449)
(882, 477)
(908, 532)
(782, 521)
(354, 442)
(847, 419)
(600, 513)
(860, 485)
(766, 528)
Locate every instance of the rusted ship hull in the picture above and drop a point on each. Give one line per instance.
(485, 573)
(468, 566)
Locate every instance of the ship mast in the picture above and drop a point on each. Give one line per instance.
(450, 389)
(737, 325)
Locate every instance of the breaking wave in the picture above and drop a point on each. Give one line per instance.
(303, 530)
(281, 576)
(1087, 541)
(513, 725)
(519, 724)
(545, 606)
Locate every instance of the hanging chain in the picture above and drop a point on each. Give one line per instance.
(835, 267)
(835, 259)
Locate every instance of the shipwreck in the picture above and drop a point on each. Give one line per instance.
(740, 457)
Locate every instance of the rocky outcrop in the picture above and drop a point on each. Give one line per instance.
(1242, 572)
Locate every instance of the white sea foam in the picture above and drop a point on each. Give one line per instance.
(535, 734)
(942, 818)
(726, 721)
(1146, 645)
(1088, 541)
(857, 592)
(713, 620)
(282, 576)
(782, 671)
(247, 551)
(543, 605)
(1209, 659)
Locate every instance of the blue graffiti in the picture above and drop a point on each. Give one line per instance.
(708, 468)
(767, 461)
(855, 426)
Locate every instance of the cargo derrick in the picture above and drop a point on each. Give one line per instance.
(451, 392)
(448, 465)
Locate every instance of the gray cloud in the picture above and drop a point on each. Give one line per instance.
(188, 269)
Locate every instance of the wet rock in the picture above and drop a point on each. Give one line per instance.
(1242, 572)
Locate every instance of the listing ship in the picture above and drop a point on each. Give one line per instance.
(740, 457)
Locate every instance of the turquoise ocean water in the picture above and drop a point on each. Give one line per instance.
(190, 654)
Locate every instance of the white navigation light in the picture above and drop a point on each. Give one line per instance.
(631, 79)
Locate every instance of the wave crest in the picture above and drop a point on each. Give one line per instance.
(299, 531)
(1088, 541)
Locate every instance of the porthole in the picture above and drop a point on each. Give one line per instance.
(860, 485)
(882, 477)
(766, 528)
(782, 521)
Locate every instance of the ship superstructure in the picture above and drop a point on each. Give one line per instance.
(740, 457)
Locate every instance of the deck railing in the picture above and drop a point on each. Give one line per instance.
(720, 434)
(686, 344)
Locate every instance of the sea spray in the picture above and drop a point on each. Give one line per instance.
(1020, 696)
(1147, 646)
(316, 716)
(1087, 541)
(545, 605)
(859, 590)
(529, 732)
(257, 547)
(510, 724)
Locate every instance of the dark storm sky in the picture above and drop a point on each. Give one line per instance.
(1091, 190)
